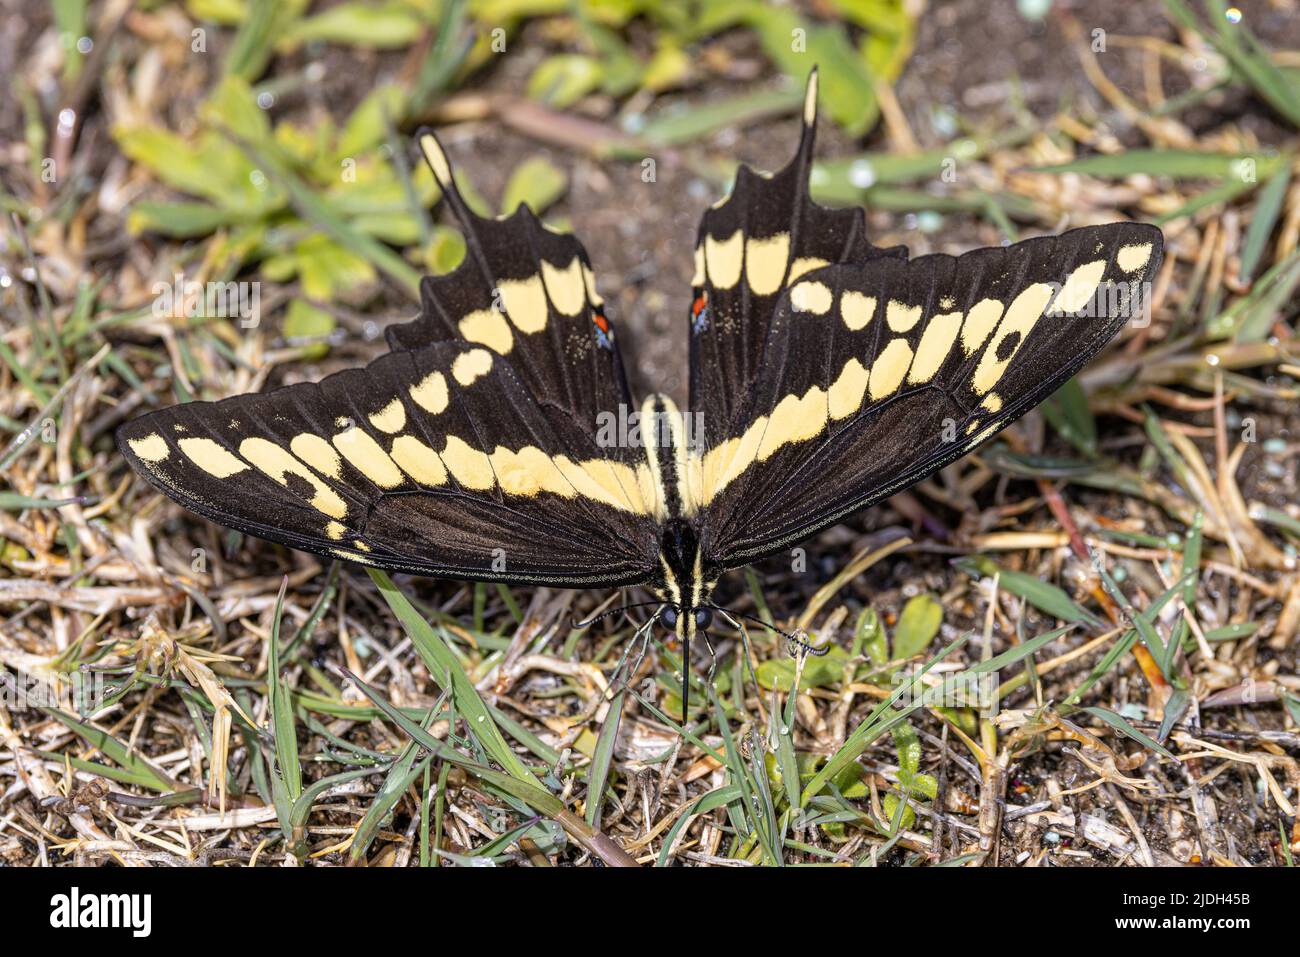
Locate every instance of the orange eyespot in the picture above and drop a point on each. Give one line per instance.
(698, 306)
(601, 322)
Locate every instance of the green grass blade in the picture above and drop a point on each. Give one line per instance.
(142, 771)
(447, 671)
(602, 759)
(1119, 724)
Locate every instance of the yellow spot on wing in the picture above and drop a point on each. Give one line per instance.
(612, 483)
(697, 278)
(1080, 287)
(317, 453)
(804, 264)
(352, 556)
(889, 368)
(765, 261)
(436, 159)
(992, 402)
(488, 327)
(1024, 311)
(935, 345)
(277, 463)
(418, 460)
(844, 397)
(795, 419)
(527, 472)
(902, 317)
(151, 448)
(213, 458)
(391, 418)
(590, 282)
(1134, 257)
(724, 462)
(856, 309)
(810, 100)
(565, 286)
(980, 321)
(525, 303)
(368, 457)
(468, 466)
(430, 393)
(723, 257)
(811, 297)
(335, 531)
(468, 366)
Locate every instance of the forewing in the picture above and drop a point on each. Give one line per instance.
(750, 247)
(528, 294)
(875, 376)
(434, 461)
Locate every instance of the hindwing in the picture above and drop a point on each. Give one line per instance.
(527, 293)
(752, 245)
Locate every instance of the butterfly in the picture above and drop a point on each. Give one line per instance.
(826, 374)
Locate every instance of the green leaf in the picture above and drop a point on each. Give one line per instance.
(383, 108)
(869, 637)
(319, 212)
(908, 746)
(181, 220)
(446, 250)
(1067, 411)
(536, 183)
(818, 672)
(1251, 318)
(383, 26)
(326, 269)
(303, 321)
(917, 625)
(562, 80)
(233, 106)
(847, 88)
(900, 816)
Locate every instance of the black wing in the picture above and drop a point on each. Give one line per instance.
(527, 293)
(470, 451)
(875, 376)
(750, 247)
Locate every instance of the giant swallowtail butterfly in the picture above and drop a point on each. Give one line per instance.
(825, 375)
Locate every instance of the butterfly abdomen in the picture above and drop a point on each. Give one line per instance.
(666, 440)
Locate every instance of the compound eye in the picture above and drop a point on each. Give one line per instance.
(703, 617)
(669, 616)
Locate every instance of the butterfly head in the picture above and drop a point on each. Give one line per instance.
(685, 580)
